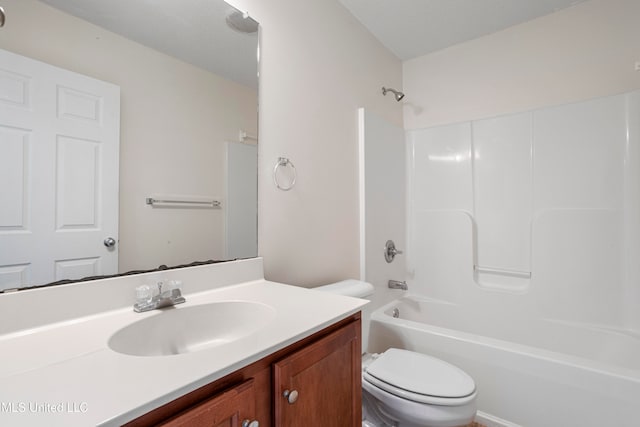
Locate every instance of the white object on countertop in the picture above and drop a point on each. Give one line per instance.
(357, 289)
(349, 288)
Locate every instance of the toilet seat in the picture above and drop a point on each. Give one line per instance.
(420, 378)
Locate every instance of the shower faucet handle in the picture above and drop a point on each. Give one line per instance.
(390, 251)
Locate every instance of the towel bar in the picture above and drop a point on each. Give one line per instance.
(209, 203)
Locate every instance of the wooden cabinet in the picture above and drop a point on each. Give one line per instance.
(231, 408)
(323, 370)
(319, 385)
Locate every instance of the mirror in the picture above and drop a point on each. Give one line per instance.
(180, 96)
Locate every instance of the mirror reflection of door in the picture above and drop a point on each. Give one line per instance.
(59, 145)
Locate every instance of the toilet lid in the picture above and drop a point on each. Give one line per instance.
(411, 375)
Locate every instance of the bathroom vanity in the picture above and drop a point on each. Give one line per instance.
(314, 382)
(239, 350)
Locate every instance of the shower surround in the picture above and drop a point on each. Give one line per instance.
(535, 214)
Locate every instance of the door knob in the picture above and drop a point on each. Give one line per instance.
(291, 396)
(247, 423)
(109, 242)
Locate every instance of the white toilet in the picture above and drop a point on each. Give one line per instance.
(402, 388)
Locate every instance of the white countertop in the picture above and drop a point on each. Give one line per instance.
(64, 374)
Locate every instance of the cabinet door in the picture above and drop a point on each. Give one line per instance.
(325, 377)
(227, 409)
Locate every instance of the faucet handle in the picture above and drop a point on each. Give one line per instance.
(174, 284)
(143, 294)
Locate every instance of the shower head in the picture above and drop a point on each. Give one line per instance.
(241, 22)
(397, 94)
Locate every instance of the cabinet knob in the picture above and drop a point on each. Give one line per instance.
(247, 423)
(291, 396)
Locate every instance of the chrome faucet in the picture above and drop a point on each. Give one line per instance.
(396, 284)
(146, 300)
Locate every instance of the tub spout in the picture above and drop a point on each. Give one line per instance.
(396, 284)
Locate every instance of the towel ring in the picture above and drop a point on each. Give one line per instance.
(283, 161)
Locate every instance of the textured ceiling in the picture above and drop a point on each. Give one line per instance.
(412, 28)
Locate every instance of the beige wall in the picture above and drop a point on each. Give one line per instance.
(174, 121)
(318, 66)
(585, 51)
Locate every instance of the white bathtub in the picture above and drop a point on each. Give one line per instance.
(533, 373)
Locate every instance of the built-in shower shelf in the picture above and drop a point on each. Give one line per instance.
(502, 279)
(503, 272)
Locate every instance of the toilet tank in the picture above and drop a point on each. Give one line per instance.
(357, 289)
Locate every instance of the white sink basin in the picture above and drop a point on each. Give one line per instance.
(178, 330)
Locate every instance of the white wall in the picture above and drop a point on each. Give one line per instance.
(318, 66)
(175, 119)
(544, 192)
(585, 51)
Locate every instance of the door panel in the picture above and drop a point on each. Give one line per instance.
(77, 183)
(14, 170)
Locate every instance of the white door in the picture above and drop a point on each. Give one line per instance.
(241, 208)
(59, 148)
